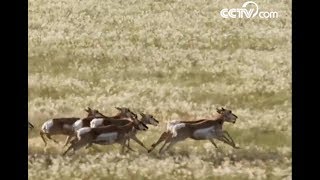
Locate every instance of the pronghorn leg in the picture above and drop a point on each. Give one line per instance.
(171, 144)
(74, 140)
(224, 139)
(42, 137)
(211, 140)
(165, 143)
(123, 143)
(227, 141)
(130, 148)
(67, 140)
(128, 143)
(139, 142)
(163, 137)
(49, 137)
(160, 150)
(88, 145)
(228, 136)
(69, 148)
(82, 142)
(74, 145)
(77, 145)
(233, 143)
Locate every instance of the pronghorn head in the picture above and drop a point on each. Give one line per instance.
(149, 119)
(126, 112)
(227, 115)
(89, 111)
(139, 125)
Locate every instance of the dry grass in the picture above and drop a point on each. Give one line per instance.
(172, 59)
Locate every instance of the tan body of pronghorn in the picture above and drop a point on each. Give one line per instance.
(61, 126)
(85, 122)
(170, 127)
(145, 118)
(205, 129)
(105, 135)
(123, 113)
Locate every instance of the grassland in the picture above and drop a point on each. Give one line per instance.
(172, 59)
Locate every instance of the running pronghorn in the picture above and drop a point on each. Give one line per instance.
(85, 122)
(123, 113)
(105, 135)
(205, 129)
(145, 118)
(61, 126)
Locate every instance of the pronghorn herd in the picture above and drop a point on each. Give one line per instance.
(97, 128)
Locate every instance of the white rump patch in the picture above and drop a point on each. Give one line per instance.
(82, 131)
(77, 125)
(96, 122)
(47, 126)
(107, 137)
(204, 133)
(174, 126)
(172, 123)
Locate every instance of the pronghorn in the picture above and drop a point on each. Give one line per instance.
(85, 122)
(105, 135)
(63, 126)
(170, 126)
(199, 130)
(145, 118)
(30, 125)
